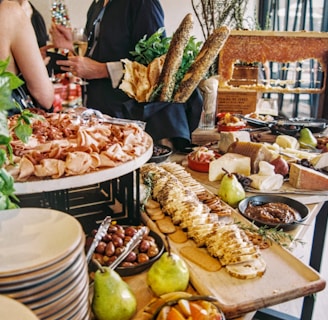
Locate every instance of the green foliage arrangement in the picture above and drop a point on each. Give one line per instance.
(154, 46)
(9, 82)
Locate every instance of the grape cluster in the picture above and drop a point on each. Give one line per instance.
(306, 163)
(114, 241)
(243, 180)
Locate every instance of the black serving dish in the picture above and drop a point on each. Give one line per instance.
(160, 153)
(130, 271)
(262, 199)
(140, 267)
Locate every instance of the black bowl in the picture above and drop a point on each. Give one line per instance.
(160, 153)
(262, 199)
(130, 271)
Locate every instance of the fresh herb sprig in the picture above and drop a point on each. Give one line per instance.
(276, 234)
(148, 180)
(147, 49)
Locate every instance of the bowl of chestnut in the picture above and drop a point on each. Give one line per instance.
(113, 243)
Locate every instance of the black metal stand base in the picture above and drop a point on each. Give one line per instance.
(118, 198)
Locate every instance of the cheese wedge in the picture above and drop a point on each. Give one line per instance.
(256, 151)
(227, 138)
(286, 141)
(320, 161)
(267, 183)
(232, 162)
(301, 177)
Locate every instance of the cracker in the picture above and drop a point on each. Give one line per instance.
(153, 211)
(166, 225)
(178, 236)
(201, 258)
(152, 204)
(158, 216)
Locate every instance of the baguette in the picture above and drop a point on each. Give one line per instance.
(174, 57)
(202, 63)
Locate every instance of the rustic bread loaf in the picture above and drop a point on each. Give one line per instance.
(202, 63)
(174, 57)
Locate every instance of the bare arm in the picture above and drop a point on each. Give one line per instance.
(28, 58)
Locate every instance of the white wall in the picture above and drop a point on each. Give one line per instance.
(174, 10)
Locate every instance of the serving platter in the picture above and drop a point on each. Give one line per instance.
(286, 278)
(101, 175)
(286, 188)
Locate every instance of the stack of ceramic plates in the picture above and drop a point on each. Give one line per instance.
(43, 264)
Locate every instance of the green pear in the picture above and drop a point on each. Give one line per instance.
(231, 190)
(168, 274)
(112, 298)
(306, 139)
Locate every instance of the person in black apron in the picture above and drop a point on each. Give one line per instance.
(113, 29)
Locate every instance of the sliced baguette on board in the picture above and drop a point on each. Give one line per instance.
(174, 57)
(247, 270)
(301, 177)
(202, 63)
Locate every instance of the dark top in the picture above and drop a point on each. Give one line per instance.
(39, 26)
(123, 24)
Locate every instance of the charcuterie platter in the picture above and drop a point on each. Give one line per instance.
(64, 147)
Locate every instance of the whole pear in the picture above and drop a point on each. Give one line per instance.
(112, 298)
(169, 273)
(231, 190)
(306, 139)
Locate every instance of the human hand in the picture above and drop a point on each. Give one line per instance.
(44, 50)
(84, 67)
(61, 36)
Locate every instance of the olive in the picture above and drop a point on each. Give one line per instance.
(127, 264)
(142, 258)
(112, 229)
(131, 257)
(118, 250)
(120, 233)
(110, 249)
(110, 260)
(130, 231)
(152, 251)
(99, 257)
(144, 245)
(117, 240)
(107, 237)
(101, 247)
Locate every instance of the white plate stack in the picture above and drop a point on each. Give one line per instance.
(43, 264)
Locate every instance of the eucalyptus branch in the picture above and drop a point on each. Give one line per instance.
(212, 14)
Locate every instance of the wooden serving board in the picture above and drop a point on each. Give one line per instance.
(286, 278)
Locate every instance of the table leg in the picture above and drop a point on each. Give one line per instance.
(318, 242)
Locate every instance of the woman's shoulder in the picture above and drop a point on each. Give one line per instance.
(12, 9)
